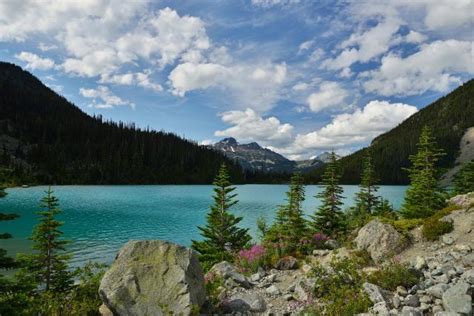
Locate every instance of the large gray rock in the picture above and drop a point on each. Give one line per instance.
(437, 290)
(463, 200)
(380, 240)
(376, 294)
(229, 272)
(458, 299)
(153, 277)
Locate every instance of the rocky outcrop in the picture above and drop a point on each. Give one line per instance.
(153, 277)
(228, 272)
(380, 240)
(463, 200)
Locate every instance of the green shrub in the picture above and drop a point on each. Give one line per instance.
(405, 225)
(362, 258)
(433, 228)
(339, 289)
(213, 285)
(393, 275)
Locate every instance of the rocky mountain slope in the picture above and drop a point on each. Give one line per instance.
(256, 158)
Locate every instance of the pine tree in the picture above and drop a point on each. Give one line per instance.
(464, 179)
(423, 197)
(329, 217)
(222, 236)
(48, 264)
(290, 223)
(366, 199)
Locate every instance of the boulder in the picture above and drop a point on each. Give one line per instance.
(462, 200)
(153, 277)
(331, 244)
(437, 290)
(458, 299)
(244, 302)
(287, 263)
(376, 294)
(228, 272)
(380, 240)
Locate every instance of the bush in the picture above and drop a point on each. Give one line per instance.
(394, 275)
(213, 285)
(405, 225)
(433, 228)
(318, 240)
(339, 289)
(250, 259)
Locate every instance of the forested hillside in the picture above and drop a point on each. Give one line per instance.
(46, 139)
(448, 117)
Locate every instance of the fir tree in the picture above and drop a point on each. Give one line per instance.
(290, 223)
(423, 197)
(329, 217)
(48, 264)
(366, 199)
(464, 179)
(222, 236)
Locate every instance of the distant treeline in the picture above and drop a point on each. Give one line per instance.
(448, 118)
(46, 139)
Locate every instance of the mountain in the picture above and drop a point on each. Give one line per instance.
(46, 139)
(256, 158)
(449, 118)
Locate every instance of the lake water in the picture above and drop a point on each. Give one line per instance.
(100, 219)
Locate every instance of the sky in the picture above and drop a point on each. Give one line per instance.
(299, 77)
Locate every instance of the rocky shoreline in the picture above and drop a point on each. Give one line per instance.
(151, 276)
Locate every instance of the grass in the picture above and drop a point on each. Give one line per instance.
(393, 275)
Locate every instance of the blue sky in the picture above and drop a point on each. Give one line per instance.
(300, 77)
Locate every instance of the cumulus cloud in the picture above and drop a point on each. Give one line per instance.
(330, 95)
(248, 125)
(255, 86)
(350, 129)
(34, 61)
(366, 45)
(431, 68)
(189, 76)
(141, 79)
(103, 98)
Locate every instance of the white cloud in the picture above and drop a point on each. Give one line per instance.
(103, 98)
(249, 126)
(415, 37)
(451, 14)
(188, 76)
(330, 95)
(45, 47)
(431, 68)
(255, 86)
(141, 79)
(271, 3)
(206, 142)
(305, 46)
(366, 45)
(350, 129)
(34, 61)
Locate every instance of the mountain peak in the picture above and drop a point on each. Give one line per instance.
(230, 141)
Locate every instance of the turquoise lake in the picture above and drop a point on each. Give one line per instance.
(100, 219)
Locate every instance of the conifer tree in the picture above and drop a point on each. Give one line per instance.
(48, 264)
(290, 223)
(464, 179)
(366, 199)
(423, 197)
(329, 217)
(222, 236)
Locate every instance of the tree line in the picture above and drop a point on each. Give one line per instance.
(293, 234)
